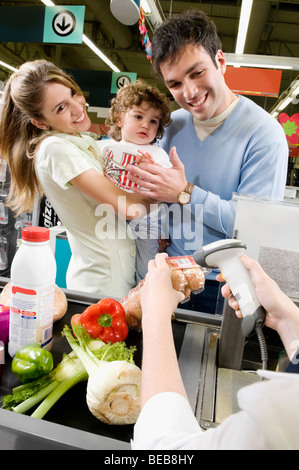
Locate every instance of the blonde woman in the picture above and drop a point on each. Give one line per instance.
(41, 125)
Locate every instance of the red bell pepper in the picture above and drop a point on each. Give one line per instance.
(105, 321)
(74, 322)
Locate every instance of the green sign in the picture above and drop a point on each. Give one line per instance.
(119, 79)
(64, 24)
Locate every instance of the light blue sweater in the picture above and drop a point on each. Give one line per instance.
(247, 154)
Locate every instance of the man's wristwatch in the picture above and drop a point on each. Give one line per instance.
(185, 196)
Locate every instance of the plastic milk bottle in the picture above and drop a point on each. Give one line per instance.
(33, 273)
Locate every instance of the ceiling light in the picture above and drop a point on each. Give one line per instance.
(100, 54)
(145, 7)
(262, 61)
(243, 25)
(153, 11)
(89, 43)
(296, 91)
(48, 3)
(285, 103)
(8, 66)
(257, 65)
(285, 98)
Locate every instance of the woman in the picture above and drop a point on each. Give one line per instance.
(269, 415)
(41, 125)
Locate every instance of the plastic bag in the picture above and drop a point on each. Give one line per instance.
(186, 276)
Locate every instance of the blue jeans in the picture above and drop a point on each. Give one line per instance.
(206, 301)
(147, 230)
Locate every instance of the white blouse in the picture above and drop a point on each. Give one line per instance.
(268, 419)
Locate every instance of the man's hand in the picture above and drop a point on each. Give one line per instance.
(162, 184)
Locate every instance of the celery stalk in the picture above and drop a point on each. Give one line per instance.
(35, 399)
(57, 393)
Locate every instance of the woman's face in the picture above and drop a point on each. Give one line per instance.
(63, 110)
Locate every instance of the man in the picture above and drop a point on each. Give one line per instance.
(226, 143)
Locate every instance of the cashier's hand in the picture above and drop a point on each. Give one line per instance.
(158, 297)
(162, 184)
(275, 302)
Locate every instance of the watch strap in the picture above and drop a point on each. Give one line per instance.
(189, 188)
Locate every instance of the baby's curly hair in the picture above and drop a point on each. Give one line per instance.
(136, 94)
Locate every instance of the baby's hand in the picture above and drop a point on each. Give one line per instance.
(144, 157)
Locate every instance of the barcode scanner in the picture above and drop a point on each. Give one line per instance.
(225, 255)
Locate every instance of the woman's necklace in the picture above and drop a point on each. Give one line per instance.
(92, 150)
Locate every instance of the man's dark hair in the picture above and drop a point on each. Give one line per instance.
(171, 37)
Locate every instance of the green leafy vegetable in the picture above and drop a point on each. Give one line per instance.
(70, 371)
(113, 388)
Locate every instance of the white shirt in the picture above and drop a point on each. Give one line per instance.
(118, 154)
(159, 155)
(205, 128)
(103, 253)
(269, 419)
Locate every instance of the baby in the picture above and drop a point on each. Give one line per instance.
(137, 117)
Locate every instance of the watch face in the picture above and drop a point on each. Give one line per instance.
(184, 198)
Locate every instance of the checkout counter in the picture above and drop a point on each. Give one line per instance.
(214, 358)
(69, 424)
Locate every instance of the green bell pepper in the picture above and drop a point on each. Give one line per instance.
(31, 362)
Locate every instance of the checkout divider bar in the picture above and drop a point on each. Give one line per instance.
(180, 314)
(32, 433)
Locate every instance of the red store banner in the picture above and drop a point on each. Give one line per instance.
(253, 81)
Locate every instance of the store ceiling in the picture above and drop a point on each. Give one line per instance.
(273, 31)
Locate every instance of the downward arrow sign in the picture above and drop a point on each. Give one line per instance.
(64, 25)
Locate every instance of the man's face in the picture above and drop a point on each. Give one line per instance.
(196, 84)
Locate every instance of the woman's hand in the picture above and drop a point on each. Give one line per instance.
(160, 370)
(282, 314)
(268, 293)
(157, 293)
(162, 184)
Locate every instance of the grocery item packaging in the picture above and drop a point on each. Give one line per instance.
(4, 323)
(186, 276)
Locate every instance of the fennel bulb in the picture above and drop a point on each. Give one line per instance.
(113, 388)
(113, 392)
